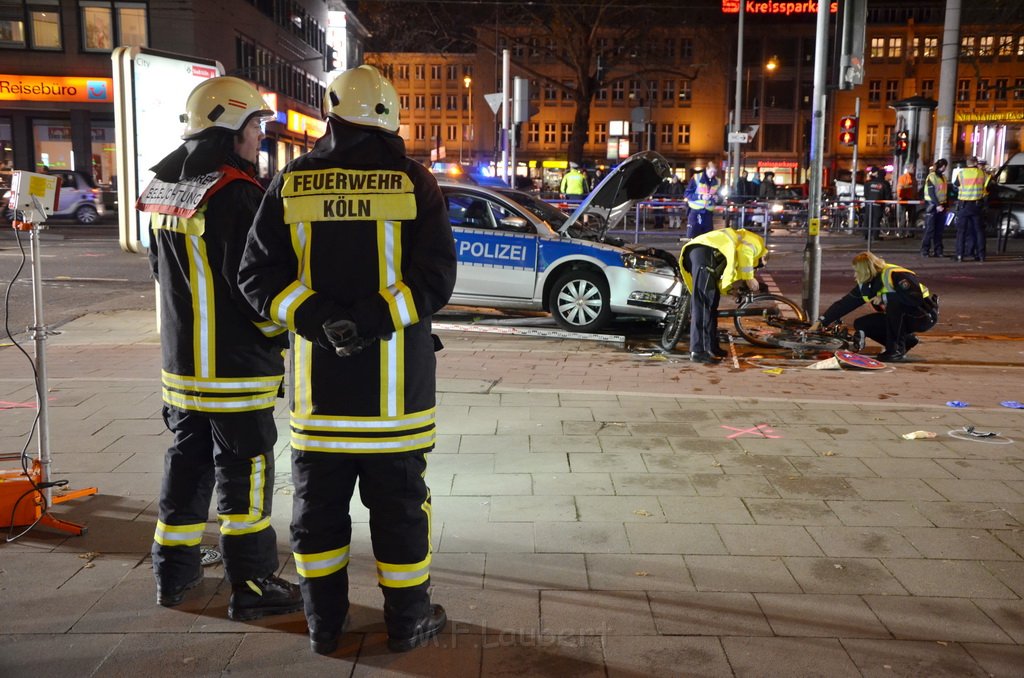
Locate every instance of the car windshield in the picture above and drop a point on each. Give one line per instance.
(546, 212)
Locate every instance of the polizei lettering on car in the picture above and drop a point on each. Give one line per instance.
(347, 195)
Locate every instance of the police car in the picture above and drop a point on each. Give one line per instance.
(517, 251)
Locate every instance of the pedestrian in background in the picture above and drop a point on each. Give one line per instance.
(935, 197)
(903, 305)
(353, 252)
(767, 190)
(222, 363)
(906, 189)
(701, 196)
(876, 190)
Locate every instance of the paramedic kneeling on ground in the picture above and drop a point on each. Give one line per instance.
(711, 264)
(904, 306)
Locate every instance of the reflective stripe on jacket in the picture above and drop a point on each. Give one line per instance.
(741, 248)
(887, 286)
(936, 189)
(700, 194)
(972, 182)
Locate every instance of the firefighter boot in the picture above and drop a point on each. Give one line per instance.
(170, 596)
(256, 598)
(425, 628)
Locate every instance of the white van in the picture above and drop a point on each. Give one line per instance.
(1011, 174)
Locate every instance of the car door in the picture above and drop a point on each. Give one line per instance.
(70, 193)
(497, 256)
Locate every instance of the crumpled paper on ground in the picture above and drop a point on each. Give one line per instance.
(918, 435)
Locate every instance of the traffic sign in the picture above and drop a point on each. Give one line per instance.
(738, 137)
(494, 101)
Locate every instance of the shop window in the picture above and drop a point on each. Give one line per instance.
(108, 24)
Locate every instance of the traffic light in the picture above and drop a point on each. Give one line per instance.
(848, 130)
(902, 143)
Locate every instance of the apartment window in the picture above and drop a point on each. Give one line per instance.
(963, 90)
(403, 102)
(890, 135)
(533, 133)
(668, 92)
(928, 89)
(1005, 45)
(667, 131)
(568, 91)
(435, 132)
(550, 94)
(435, 71)
(1020, 46)
(931, 47)
(435, 102)
(669, 48)
(550, 129)
(685, 93)
(683, 135)
(874, 92)
(419, 70)
(652, 91)
(1018, 89)
(895, 48)
(44, 22)
(600, 133)
(892, 90)
(634, 90)
(1002, 84)
(453, 72)
(686, 49)
(453, 102)
(983, 89)
(421, 132)
(986, 46)
(618, 91)
(967, 46)
(402, 71)
(566, 132)
(915, 48)
(452, 133)
(877, 48)
(601, 94)
(518, 49)
(106, 24)
(421, 102)
(871, 138)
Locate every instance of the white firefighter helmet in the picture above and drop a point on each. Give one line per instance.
(226, 102)
(364, 97)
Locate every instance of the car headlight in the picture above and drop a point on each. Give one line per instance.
(638, 262)
(777, 208)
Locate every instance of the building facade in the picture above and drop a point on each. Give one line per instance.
(56, 92)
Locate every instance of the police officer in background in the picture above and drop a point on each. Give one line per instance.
(574, 183)
(935, 196)
(877, 188)
(222, 363)
(972, 184)
(701, 196)
(353, 252)
(711, 264)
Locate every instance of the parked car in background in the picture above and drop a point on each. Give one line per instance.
(1004, 211)
(517, 251)
(80, 199)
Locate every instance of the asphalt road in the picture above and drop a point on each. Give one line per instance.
(84, 271)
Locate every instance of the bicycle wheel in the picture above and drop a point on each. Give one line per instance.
(676, 323)
(805, 342)
(760, 318)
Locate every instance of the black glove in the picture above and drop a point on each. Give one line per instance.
(343, 337)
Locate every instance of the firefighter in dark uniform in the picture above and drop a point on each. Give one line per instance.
(223, 364)
(877, 188)
(711, 264)
(353, 252)
(903, 306)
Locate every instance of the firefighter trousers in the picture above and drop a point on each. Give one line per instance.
(234, 454)
(393, 488)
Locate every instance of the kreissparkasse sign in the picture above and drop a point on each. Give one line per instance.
(56, 88)
(770, 7)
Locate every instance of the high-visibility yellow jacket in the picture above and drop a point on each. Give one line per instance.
(219, 355)
(935, 189)
(972, 182)
(574, 183)
(741, 248)
(355, 229)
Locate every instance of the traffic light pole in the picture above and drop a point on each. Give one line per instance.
(812, 249)
(853, 165)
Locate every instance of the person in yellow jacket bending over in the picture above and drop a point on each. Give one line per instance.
(711, 264)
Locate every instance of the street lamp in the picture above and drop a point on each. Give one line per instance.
(468, 83)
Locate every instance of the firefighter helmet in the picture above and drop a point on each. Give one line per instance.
(364, 97)
(226, 102)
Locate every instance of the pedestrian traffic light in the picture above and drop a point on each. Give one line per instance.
(902, 143)
(848, 130)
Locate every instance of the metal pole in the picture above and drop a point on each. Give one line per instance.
(506, 91)
(853, 165)
(734, 152)
(39, 332)
(812, 249)
(947, 82)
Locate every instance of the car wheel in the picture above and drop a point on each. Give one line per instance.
(579, 301)
(1009, 226)
(86, 214)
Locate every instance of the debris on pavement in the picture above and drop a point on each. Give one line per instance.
(918, 435)
(969, 430)
(957, 403)
(1013, 404)
(773, 371)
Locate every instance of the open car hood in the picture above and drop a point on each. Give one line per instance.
(636, 178)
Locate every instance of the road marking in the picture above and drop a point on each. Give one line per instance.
(757, 430)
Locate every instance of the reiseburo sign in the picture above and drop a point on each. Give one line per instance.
(56, 88)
